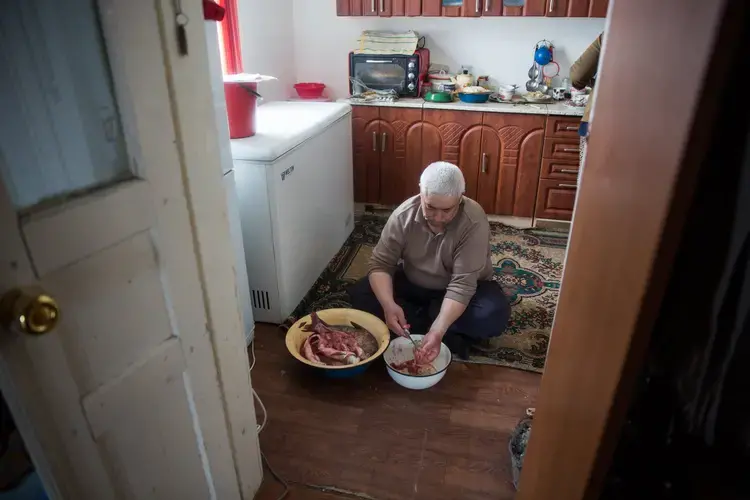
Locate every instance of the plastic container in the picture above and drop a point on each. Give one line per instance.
(241, 95)
(309, 90)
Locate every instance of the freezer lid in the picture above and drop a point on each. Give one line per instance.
(282, 126)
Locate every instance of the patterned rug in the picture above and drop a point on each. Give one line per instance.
(528, 265)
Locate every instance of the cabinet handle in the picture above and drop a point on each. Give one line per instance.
(551, 6)
(382, 5)
(382, 143)
(571, 150)
(484, 163)
(477, 8)
(572, 129)
(374, 141)
(568, 171)
(568, 186)
(372, 6)
(487, 5)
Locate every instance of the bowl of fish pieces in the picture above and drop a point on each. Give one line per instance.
(409, 372)
(341, 343)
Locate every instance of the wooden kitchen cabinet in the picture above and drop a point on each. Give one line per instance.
(510, 163)
(577, 8)
(366, 149)
(455, 137)
(382, 8)
(529, 8)
(401, 154)
(556, 199)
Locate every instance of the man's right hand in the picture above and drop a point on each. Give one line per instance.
(395, 319)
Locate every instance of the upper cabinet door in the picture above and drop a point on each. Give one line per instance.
(557, 8)
(577, 8)
(492, 8)
(524, 7)
(343, 8)
(432, 8)
(370, 7)
(598, 8)
(385, 7)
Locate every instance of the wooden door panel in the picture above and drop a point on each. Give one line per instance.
(516, 144)
(562, 127)
(398, 8)
(356, 7)
(530, 8)
(432, 8)
(343, 8)
(472, 8)
(413, 7)
(401, 154)
(578, 8)
(365, 151)
(566, 170)
(557, 8)
(562, 149)
(555, 199)
(370, 7)
(455, 137)
(598, 8)
(385, 7)
(492, 8)
(489, 170)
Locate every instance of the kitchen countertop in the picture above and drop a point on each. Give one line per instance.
(554, 109)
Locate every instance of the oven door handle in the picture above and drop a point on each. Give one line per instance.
(377, 61)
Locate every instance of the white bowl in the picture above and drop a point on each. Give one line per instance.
(400, 350)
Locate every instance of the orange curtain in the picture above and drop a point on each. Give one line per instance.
(229, 39)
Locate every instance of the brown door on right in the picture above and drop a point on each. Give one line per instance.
(401, 154)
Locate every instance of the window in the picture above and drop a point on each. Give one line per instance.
(229, 39)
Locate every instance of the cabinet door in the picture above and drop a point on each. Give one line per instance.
(356, 7)
(492, 8)
(365, 142)
(370, 7)
(529, 8)
(511, 162)
(598, 8)
(400, 154)
(555, 199)
(557, 8)
(343, 8)
(385, 7)
(406, 8)
(432, 8)
(455, 137)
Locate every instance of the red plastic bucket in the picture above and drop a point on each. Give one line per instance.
(241, 100)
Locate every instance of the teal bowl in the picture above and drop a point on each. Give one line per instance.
(474, 98)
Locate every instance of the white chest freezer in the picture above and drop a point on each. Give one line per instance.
(294, 182)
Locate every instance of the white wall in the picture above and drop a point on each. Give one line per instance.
(267, 40)
(501, 47)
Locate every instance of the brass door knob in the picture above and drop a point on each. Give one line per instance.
(29, 310)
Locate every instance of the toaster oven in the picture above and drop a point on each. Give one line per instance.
(403, 73)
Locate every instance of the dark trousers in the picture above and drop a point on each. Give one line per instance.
(486, 315)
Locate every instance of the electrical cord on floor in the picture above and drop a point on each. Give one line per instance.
(260, 428)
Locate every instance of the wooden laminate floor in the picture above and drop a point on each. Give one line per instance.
(373, 438)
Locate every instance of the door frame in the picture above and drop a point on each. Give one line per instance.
(638, 179)
(171, 112)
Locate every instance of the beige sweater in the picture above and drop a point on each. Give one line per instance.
(453, 260)
(583, 70)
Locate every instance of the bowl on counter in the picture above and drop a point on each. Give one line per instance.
(506, 92)
(474, 98)
(438, 97)
(296, 336)
(401, 349)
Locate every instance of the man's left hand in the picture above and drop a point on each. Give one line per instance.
(430, 348)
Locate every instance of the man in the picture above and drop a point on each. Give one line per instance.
(583, 74)
(432, 268)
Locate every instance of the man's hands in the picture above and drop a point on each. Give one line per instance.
(430, 347)
(395, 319)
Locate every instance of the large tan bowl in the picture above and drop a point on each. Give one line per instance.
(296, 336)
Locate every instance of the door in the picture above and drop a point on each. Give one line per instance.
(511, 161)
(370, 7)
(524, 7)
(401, 154)
(105, 357)
(455, 137)
(557, 8)
(385, 7)
(366, 151)
(492, 8)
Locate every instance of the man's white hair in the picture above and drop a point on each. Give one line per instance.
(442, 178)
